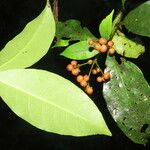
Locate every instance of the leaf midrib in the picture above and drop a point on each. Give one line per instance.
(26, 45)
(48, 102)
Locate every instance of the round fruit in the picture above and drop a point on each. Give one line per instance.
(83, 83)
(74, 62)
(75, 71)
(102, 41)
(111, 51)
(69, 67)
(100, 79)
(110, 43)
(106, 76)
(103, 48)
(79, 78)
(94, 71)
(86, 77)
(89, 90)
(90, 61)
(97, 46)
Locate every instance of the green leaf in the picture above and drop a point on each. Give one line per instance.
(61, 43)
(127, 47)
(128, 99)
(31, 44)
(137, 21)
(79, 51)
(105, 27)
(123, 3)
(51, 103)
(72, 30)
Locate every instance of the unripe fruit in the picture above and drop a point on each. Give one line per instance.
(75, 71)
(103, 48)
(110, 43)
(74, 62)
(69, 67)
(94, 71)
(100, 79)
(98, 70)
(106, 76)
(90, 62)
(83, 83)
(79, 78)
(90, 42)
(86, 78)
(89, 90)
(111, 51)
(97, 46)
(102, 41)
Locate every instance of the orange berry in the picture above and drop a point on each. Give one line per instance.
(97, 46)
(74, 62)
(103, 48)
(94, 71)
(75, 71)
(79, 78)
(110, 43)
(90, 42)
(106, 76)
(86, 77)
(90, 61)
(89, 90)
(111, 51)
(99, 79)
(69, 67)
(102, 41)
(83, 83)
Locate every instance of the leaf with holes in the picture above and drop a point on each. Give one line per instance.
(127, 95)
(127, 47)
(79, 51)
(50, 102)
(31, 44)
(137, 21)
(105, 27)
(72, 30)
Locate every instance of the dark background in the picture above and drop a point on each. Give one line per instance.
(15, 133)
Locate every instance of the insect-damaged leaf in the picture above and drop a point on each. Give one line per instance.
(50, 102)
(128, 99)
(127, 47)
(31, 44)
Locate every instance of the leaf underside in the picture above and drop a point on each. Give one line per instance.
(31, 44)
(50, 102)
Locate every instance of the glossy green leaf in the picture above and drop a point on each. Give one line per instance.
(127, 95)
(61, 43)
(127, 47)
(73, 30)
(50, 102)
(105, 27)
(79, 51)
(137, 21)
(31, 44)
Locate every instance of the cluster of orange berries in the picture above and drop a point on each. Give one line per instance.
(83, 80)
(103, 45)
